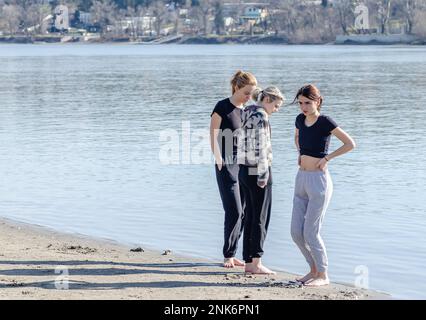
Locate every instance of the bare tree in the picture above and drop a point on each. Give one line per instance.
(219, 22)
(195, 18)
(384, 15)
(10, 18)
(141, 12)
(345, 14)
(135, 23)
(36, 16)
(275, 15)
(159, 13)
(420, 23)
(330, 27)
(205, 9)
(410, 8)
(175, 17)
(324, 26)
(104, 13)
(281, 16)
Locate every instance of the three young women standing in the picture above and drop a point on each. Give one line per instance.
(248, 188)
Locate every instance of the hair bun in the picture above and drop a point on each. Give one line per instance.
(256, 95)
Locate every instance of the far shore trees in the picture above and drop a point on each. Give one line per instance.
(299, 21)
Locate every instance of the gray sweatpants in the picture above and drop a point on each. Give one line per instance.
(312, 195)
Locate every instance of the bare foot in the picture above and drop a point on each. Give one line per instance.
(311, 275)
(258, 270)
(228, 262)
(233, 262)
(318, 282)
(239, 263)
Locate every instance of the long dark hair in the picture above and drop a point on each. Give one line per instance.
(311, 92)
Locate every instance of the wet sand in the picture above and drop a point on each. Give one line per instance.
(39, 263)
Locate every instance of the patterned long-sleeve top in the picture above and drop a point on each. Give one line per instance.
(254, 142)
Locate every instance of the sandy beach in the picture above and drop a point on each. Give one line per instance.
(39, 263)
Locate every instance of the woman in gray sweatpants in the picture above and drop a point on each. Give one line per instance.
(314, 187)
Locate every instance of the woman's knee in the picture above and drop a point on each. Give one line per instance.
(297, 235)
(312, 238)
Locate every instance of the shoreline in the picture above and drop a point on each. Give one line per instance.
(220, 44)
(212, 40)
(100, 269)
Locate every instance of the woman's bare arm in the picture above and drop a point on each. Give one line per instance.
(296, 141)
(215, 122)
(348, 143)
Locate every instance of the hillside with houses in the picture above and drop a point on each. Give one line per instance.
(212, 21)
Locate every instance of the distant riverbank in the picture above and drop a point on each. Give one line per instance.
(211, 39)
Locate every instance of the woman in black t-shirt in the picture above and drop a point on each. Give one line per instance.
(224, 126)
(314, 187)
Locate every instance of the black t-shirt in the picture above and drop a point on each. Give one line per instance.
(314, 140)
(229, 128)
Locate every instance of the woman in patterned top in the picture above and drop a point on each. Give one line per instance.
(255, 159)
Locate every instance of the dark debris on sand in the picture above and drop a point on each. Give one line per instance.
(79, 249)
(166, 252)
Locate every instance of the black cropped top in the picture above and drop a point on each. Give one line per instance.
(314, 140)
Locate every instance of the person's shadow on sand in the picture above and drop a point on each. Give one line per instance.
(83, 285)
(115, 270)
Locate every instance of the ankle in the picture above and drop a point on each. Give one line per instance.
(253, 265)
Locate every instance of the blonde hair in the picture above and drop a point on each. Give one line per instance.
(241, 79)
(273, 93)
